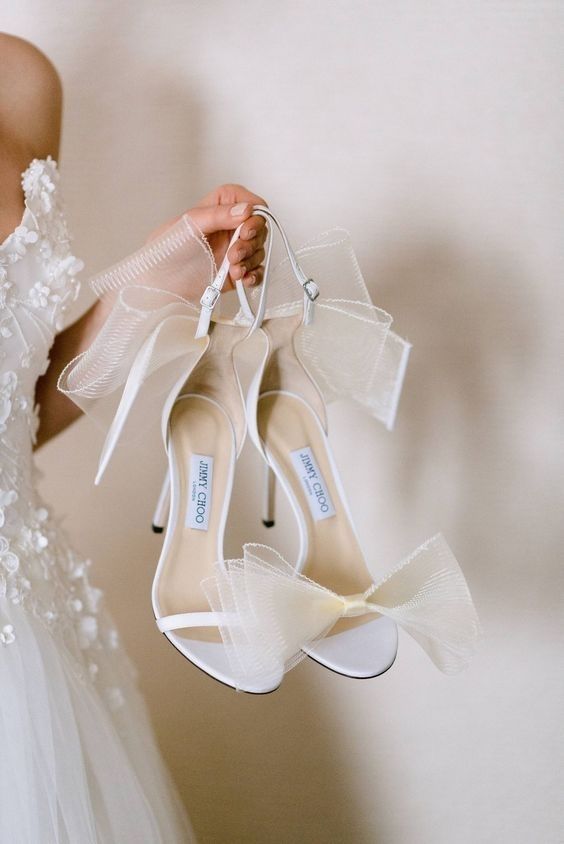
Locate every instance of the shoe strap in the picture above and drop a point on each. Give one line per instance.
(310, 288)
(212, 292)
(190, 619)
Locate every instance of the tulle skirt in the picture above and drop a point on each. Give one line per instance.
(78, 761)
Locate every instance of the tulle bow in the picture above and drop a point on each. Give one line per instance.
(269, 614)
(146, 347)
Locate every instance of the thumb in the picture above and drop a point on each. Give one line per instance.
(217, 218)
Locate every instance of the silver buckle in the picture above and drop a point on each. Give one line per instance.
(209, 297)
(311, 289)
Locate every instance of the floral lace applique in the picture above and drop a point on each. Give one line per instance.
(7, 635)
(47, 234)
(21, 238)
(8, 384)
(6, 287)
(39, 570)
(39, 182)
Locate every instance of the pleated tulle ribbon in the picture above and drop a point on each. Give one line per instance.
(146, 346)
(274, 613)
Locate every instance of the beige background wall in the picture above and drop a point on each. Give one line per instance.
(433, 131)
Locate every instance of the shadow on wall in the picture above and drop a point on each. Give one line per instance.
(141, 149)
(479, 352)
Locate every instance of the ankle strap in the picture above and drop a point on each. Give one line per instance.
(189, 619)
(212, 292)
(310, 288)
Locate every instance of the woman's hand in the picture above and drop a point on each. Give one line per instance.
(218, 214)
(213, 214)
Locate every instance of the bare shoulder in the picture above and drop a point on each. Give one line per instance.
(30, 119)
(30, 100)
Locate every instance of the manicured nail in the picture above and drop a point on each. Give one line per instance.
(239, 209)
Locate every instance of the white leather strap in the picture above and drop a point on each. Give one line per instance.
(213, 291)
(243, 301)
(188, 619)
(310, 288)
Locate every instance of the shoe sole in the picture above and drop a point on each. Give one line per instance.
(350, 676)
(217, 680)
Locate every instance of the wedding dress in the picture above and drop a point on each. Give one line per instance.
(78, 760)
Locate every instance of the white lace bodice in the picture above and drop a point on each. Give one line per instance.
(37, 282)
(38, 568)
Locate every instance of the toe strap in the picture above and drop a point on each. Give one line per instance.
(189, 619)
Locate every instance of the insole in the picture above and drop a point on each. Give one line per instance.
(293, 438)
(201, 438)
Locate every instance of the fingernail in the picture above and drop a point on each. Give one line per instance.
(251, 234)
(252, 278)
(237, 210)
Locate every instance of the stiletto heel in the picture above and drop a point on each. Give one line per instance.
(204, 431)
(160, 515)
(163, 351)
(326, 604)
(247, 621)
(269, 496)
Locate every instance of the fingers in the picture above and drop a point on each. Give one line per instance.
(254, 277)
(243, 249)
(218, 215)
(250, 279)
(217, 218)
(243, 268)
(253, 227)
(231, 194)
(226, 207)
(247, 253)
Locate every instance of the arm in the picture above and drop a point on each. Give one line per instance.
(30, 120)
(214, 215)
(30, 125)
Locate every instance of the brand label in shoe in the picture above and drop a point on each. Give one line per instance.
(313, 483)
(200, 491)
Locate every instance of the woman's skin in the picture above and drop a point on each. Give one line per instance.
(30, 127)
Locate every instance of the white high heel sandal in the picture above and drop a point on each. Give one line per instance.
(326, 604)
(158, 349)
(267, 614)
(287, 421)
(203, 429)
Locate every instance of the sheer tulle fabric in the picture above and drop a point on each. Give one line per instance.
(269, 614)
(147, 345)
(149, 330)
(63, 754)
(70, 772)
(349, 348)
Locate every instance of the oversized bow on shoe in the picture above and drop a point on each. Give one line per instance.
(268, 614)
(147, 346)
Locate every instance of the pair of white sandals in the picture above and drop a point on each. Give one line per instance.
(265, 613)
(247, 621)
